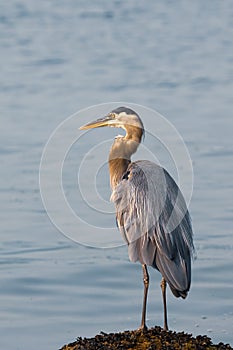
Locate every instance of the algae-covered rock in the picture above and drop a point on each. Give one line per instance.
(154, 338)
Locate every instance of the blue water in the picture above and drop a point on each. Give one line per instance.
(57, 58)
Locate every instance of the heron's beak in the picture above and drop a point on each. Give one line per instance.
(105, 121)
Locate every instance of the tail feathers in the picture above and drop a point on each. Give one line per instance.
(176, 272)
(178, 293)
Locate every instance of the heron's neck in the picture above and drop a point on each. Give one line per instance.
(120, 158)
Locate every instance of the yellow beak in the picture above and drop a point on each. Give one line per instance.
(106, 121)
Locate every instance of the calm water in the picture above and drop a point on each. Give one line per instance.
(57, 58)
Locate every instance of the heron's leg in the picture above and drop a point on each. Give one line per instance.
(163, 287)
(146, 286)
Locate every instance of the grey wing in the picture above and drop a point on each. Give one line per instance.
(154, 221)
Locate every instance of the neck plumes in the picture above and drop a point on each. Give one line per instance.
(121, 152)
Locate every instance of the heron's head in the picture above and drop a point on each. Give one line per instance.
(121, 117)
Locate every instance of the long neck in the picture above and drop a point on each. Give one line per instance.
(120, 156)
(117, 167)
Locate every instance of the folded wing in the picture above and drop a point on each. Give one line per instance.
(154, 221)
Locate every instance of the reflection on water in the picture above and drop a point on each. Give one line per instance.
(57, 59)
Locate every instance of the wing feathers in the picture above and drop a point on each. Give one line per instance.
(154, 221)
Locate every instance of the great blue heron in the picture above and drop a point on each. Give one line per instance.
(151, 212)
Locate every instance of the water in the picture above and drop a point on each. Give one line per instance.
(59, 58)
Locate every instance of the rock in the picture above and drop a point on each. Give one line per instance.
(151, 339)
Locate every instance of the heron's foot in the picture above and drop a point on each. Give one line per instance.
(143, 328)
(165, 328)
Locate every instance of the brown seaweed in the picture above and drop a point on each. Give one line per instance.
(152, 339)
